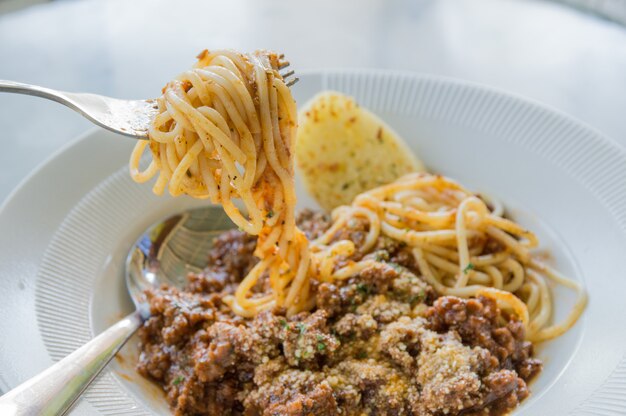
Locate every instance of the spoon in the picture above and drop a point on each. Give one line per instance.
(165, 253)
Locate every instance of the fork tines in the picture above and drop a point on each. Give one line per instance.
(286, 76)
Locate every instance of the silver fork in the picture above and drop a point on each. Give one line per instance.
(128, 117)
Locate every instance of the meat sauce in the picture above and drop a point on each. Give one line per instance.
(379, 343)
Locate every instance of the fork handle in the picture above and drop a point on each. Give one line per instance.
(126, 117)
(54, 391)
(28, 89)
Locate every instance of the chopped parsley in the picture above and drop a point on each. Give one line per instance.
(363, 288)
(178, 380)
(419, 297)
(379, 256)
(470, 266)
(361, 355)
(321, 346)
(270, 214)
(301, 327)
(283, 323)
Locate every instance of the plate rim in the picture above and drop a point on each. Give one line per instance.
(598, 135)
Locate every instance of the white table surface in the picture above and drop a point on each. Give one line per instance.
(129, 49)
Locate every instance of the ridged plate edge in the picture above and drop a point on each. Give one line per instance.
(556, 137)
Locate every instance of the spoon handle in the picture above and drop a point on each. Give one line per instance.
(54, 391)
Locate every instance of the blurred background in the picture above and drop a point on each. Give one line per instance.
(569, 54)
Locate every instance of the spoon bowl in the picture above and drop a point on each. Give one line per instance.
(163, 254)
(170, 249)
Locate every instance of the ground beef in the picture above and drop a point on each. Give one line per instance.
(355, 230)
(395, 252)
(352, 326)
(379, 278)
(379, 343)
(312, 223)
(384, 309)
(230, 260)
(480, 323)
(292, 393)
(387, 279)
(373, 386)
(307, 340)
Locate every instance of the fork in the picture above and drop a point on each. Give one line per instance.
(127, 117)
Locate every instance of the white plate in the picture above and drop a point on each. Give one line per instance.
(66, 230)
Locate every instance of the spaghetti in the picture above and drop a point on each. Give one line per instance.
(460, 246)
(225, 131)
